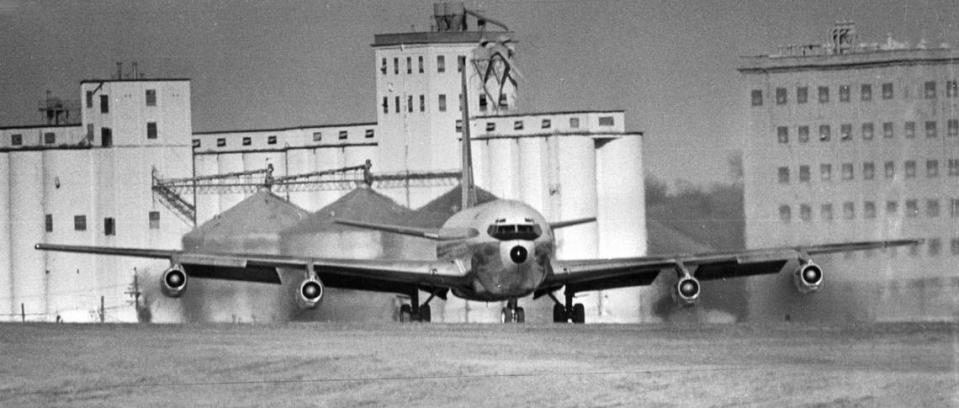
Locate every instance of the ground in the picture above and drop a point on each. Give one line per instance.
(324, 364)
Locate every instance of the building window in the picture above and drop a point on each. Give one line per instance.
(865, 92)
(931, 129)
(955, 246)
(482, 102)
(419, 61)
(490, 126)
(952, 89)
(48, 222)
(932, 168)
(151, 130)
(396, 66)
(802, 94)
(503, 103)
(929, 90)
(574, 123)
(369, 134)
(442, 102)
(803, 132)
(932, 207)
(887, 131)
(848, 210)
(89, 133)
(518, 125)
(826, 212)
(910, 168)
(409, 103)
(867, 131)
(805, 212)
(887, 90)
(843, 93)
(247, 141)
(459, 126)
(804, 174)
(823, 94)
(396, 102)
(845, 132)
(847, 171)
(952, 126)
(912, 208)
(890, 169)
(546, 124)
(49, 138)
(109, 226)
(783, 175)
(409, 65)
(892, 207)
(422, 103)
(934, 246)
(440, 63)
(221, 142)
(154, 219)
(343, 135)
(869, 209)
(782, 134)
(89, 99)
(757, 97)
(460, 63)
(954, 207)
(954, 167)
(196, 143)
(151, 95)
(785, 214)
(79, 222)
(868, 171)
(606, 121)
(104, 104)
(16, 139)
(910, 130)
(386, 105)
(317, 136)
(106, 137)
(825, 172)
(780, 96)
(824, 133)
(271, 139)
(383, 66)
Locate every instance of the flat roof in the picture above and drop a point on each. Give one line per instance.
(436, 37)
(282, 129)
(574, 112)
(77, 125)
(853, 60)
(86, 81)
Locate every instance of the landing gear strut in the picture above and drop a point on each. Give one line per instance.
(512, 313)
(563, 313)
(414, 311)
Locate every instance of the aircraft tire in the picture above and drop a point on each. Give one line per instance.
(425, 314)
(579, 313)
(559, 314)
(406, 313)
(507, 315)
(520, 315)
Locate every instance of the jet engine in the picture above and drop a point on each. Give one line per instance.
(808, 277)
(173, 281)
(687, 291)
(309, 293)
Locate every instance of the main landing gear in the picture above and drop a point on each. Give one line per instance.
(512, 313)
(564, 313)
(414, 311)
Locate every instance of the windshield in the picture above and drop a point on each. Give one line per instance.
(505, 232)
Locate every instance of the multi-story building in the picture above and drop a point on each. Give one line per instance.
(850, 142)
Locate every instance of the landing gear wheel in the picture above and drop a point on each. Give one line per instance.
(507, 315)
(579, 313)
(559, 314)
(520, 315)
(425, 315)
(406, 313)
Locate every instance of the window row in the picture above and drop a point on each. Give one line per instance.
(48, 138)
(420, 67)
(929, 91)
(867, 131)
(869, 209)
(544, 124)
(271, 139)
(411, 103)
(150, 96)
(109, 223)
(848, 171)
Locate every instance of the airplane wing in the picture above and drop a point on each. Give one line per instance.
(439, 234)
(597, 274)
(399, 276)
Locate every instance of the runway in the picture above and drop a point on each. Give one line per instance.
(324, 364)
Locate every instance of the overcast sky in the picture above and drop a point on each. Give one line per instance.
(671, 65)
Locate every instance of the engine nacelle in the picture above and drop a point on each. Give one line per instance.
(309, 293)
(173, 281)
(687, 291)
(808, 278)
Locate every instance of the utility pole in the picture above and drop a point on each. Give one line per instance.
(23, 314)
(102, 310)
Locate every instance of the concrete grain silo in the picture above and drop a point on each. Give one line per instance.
(26, 206)
(6, 275)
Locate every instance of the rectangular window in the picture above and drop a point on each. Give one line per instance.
(503, 103)
(196, 143)
(221, 142)
(606, 121)
(890, 169)
(932, 168)
(109, 226)
(271, 140)
(369, 134)
(867, 131)
(868, 171)
(802, 94)
(952, 127)
(247, 141)
(912, 208)
(783, 175)
(780, 96)
(804, 174)
(546, 124)
(89, 99)
(932, 207)
(396, 66)
(440, 63)
(154, 219)
(825, 172)
(460, 63)
(847, 171)
(825, 211)
(574, 123)
(824, 133)
(383, 66)
(482, 102)
(89, 132)
(843, 93)
(419, 61)
(848, 210)
(48, 222)
(490, 126)
(785, 214)
(49, 138)
(151, 96)
(518, 125)
(805, 212)
(865, 92)
(409, 103)
(386, 105)
(79, 222)
(343, 135)
(892, 207)
(954, 208)
(910, 130)
(459, 126)
(396, 102)
(442, 103)
(910, 168)
(887, 90)
(757, 97)
(104, 104)
(409, 65)
(803, 134)
(869, 209)
(952, 89)
(151, 130)
(317, 136)
(422, 103)
(931, 129)
(954, 167)
(16, 139)
(845, 132)
(929, 90)
(887, 130)
(823, 94)
(106, 137)
(782, 134)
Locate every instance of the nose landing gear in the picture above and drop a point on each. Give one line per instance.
(512, 313)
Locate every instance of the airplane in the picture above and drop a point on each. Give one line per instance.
(500, 250)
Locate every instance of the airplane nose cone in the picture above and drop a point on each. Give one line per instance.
(518, 254)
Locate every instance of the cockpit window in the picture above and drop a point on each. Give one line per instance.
(505, 232)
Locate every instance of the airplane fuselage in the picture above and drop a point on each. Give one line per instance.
(509, 258)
